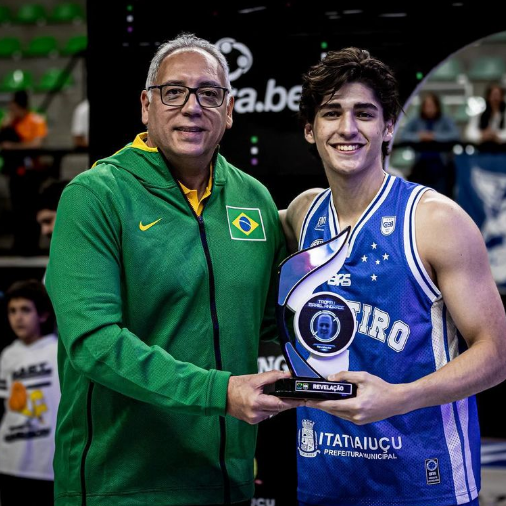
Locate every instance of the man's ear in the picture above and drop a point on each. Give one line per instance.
(389, 131)
(230, 108)
(308, 133)
(145, 106)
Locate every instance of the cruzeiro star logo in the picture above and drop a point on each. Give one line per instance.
(245, 224)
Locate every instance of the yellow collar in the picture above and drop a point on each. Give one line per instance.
(140, 143)
(192, 195)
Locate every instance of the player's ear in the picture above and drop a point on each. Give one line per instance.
(308, 133)
(389, 131)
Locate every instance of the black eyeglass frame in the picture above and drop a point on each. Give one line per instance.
(190, 91)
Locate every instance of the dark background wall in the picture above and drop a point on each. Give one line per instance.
(285, 38)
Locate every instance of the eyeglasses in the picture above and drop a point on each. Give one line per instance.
(208, 97)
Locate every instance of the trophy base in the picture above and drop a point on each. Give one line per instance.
(310, 388)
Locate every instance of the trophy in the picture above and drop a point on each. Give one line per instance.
(323, 322)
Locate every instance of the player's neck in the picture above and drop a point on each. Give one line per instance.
(352, 195)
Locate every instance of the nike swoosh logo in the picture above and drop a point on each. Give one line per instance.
(149, 225)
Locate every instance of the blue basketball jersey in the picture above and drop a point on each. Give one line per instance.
(431, 456)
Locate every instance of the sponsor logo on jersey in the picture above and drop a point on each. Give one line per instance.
(316, 242)
(307, 440)
(322, 220)
(432, 471)
(387, 225)
(340, 280)
(332, 444)
(245, 224)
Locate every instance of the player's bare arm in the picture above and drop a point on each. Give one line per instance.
(452, 250)
(293, 216)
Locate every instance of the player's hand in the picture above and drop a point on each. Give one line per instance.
(246, 400)
(376, 399)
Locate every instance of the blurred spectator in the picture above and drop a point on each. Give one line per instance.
(431, 124)
(489, 128)
(433, 165)
(21, 128)
(81, 124)
(21, 131)
(47, 204)
(29, 384)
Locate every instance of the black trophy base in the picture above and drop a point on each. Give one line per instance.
(310, 388)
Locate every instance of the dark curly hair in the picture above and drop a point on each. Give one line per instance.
(349, 65)
(35, 291)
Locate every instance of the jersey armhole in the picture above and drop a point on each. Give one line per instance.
(411, 250)
(313, 207)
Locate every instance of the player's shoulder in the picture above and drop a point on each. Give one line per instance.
(442, 226)
(439, 209)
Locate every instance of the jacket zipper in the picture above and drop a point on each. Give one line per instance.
(217, 352)
(88, 444)
(216, 328)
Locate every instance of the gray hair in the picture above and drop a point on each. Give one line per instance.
(185, 41)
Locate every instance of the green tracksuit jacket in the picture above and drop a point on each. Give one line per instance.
(155, 309)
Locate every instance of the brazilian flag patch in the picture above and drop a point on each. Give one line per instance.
(245, 224)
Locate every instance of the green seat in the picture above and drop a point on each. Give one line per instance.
(75, 45)
(447, 71)
(487, 68)
(16, 80)
(5, 15)
(31, 14)
(67, 12)
(42, 46)
(10, 47)
(53, 80)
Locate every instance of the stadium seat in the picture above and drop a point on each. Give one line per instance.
(449, 70)
(10, 47)
(31, 14)
(67, 13)
(44, 46)
(54, 79)
(75, 45)
(16, 80)
(5, 15)
(487, 68)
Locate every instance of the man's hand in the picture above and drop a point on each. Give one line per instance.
(246, 400)
(376, 399)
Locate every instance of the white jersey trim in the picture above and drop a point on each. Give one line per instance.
(309, 214)
(410, 248)
(372, 208)
(459, 450)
